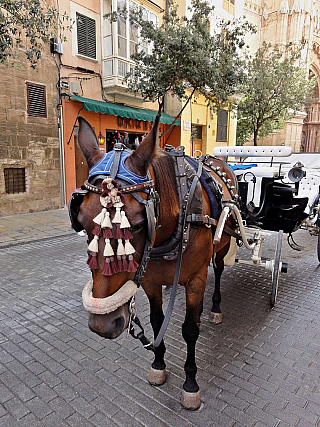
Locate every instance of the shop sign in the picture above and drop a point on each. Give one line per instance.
(186, 125)
(134, 124)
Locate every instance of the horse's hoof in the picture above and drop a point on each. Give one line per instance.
(190, 400)
(157, 376)
(215, 318)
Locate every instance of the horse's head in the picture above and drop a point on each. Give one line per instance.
(117, 212)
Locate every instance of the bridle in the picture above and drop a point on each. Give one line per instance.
(150, 204)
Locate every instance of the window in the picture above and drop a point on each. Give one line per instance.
(86, 36)
(15, 180)
(196, 132)
(229, 5)
(127, 34)
(222, 126)
(36, 98)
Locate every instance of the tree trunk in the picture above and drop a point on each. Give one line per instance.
(255, 137)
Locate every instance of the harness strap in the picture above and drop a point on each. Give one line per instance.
(202, 219)
(186, 205)
(116, 161)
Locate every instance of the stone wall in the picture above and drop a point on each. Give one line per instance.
(29, 141)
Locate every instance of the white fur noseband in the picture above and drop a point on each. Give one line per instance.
(108, 304)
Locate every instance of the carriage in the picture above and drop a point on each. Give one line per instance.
(279, 191)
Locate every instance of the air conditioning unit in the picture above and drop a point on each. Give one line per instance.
(56, 46)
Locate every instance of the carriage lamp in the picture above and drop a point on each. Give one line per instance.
(296, 173)
(101, 139)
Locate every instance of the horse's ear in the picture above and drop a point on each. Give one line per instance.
(140, 160)
(88, 142)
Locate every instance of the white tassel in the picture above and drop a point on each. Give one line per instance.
(100, 217)
(120, 250)
(117, 217)
(124, 221)
(93, 245)
(106, 222)
(129, 249)
(108, 251)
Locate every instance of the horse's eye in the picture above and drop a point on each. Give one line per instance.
(137, 227)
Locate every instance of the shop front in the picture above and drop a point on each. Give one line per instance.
(112, 123)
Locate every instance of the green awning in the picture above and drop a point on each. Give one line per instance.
(123, 111)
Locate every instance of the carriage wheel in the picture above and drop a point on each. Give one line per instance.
(276, 270)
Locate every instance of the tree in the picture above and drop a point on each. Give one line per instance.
(26, 24)
(276, 87)
(185, 57)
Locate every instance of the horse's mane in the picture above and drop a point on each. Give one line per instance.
(165, 181)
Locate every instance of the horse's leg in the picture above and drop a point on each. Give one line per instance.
(199, 313)
(157, 374)
(218, 267)
(190, 331)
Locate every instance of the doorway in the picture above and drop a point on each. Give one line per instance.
(196, 140)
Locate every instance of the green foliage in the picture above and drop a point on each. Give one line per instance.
(185, 57)
(27, 24)
(275, 89)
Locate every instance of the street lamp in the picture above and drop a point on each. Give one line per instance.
(101, 139)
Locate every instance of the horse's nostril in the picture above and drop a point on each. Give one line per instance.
(119, 323)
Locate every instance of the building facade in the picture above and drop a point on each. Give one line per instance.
(289, 21)
(92, 73)
(29, 143)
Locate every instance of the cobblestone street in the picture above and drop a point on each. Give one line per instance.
(260, 367)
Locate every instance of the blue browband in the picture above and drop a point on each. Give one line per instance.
(103, 167)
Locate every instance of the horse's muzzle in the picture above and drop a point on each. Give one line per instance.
(110, 325)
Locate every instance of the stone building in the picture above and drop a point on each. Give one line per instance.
(29, 144)
(289, 21)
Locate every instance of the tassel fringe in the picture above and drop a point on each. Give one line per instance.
(133, 265)
(107, 268)
(93, 245)
(108, 251)
(129, 249)
(92, 261)
(99, 218)
(124, 221)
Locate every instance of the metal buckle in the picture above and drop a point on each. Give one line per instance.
(208, 218)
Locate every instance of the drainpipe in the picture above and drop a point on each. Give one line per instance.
(62, 162)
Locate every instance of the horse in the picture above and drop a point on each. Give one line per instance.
(129, 210)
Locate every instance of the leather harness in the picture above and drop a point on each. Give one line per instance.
(190, 218)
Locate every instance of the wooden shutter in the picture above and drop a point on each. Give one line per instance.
(86, 35)
(222, 126)
(36, 95)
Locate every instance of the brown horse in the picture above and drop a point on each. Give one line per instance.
(195, 261)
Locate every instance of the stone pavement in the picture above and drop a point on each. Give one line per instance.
(260, 367)
(33, 226)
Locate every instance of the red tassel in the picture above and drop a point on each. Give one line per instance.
(107, 233)
(107, 268)
(124, 263)
(120, 265)
(114, 266)
(92, 261)
(97, 230)
(127, 234)
(119, 233)
(133, 265)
